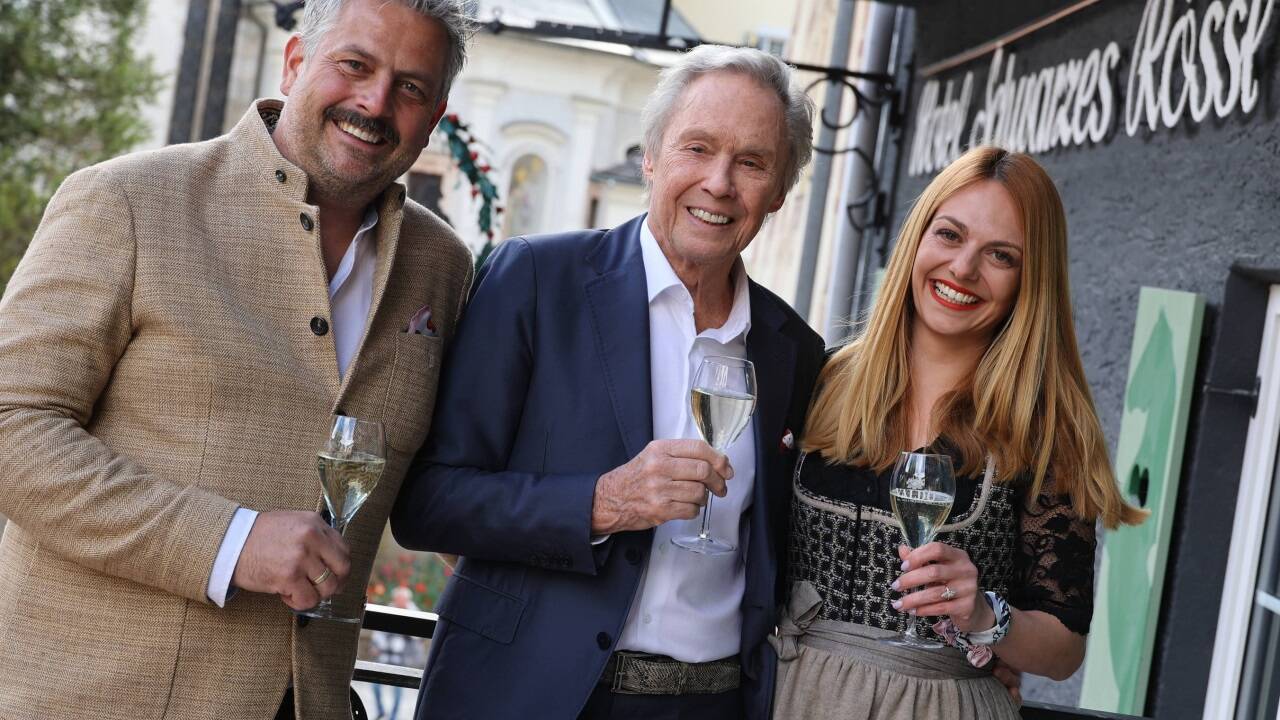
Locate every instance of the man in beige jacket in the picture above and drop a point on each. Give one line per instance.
(172, 347)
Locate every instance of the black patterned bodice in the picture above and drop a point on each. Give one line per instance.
(844, 541)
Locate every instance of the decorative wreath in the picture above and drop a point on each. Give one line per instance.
(464, 148)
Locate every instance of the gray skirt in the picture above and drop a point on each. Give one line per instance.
(829, 670)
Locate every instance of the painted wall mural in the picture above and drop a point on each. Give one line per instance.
(1148, 463)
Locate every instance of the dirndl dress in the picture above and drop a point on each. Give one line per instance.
(842, 557)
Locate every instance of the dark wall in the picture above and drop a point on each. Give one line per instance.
(1174, 208)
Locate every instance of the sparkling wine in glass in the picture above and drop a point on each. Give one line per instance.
(350, 463)
(922, 491)
(722, 400)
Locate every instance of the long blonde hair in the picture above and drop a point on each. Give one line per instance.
(1027, 402)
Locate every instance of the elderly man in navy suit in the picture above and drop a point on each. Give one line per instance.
(565, 459)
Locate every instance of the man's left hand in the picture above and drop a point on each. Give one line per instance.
(1010, 678)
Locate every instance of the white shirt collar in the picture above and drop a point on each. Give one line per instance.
(351, 290)
(661, 278)
(354, 250)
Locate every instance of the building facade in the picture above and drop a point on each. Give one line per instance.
(1158, 121)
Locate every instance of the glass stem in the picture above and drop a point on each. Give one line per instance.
(911, 627)
(705, 533)
(326, 605)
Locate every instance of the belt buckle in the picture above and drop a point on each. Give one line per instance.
(620, 672)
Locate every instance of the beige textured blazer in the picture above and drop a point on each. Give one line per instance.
(158, 368)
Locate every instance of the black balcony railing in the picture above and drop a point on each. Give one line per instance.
(423, 625)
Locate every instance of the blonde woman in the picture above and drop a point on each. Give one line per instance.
(970, 352)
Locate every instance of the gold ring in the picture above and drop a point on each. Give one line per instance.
(321, 577)
(947, 592)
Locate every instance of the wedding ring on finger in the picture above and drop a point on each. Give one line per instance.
(948, 593)
(321, 577)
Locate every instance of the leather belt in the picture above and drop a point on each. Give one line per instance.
(634, 673)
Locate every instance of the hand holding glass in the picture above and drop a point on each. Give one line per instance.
(722, 399)
(922, 491)
(350, 464)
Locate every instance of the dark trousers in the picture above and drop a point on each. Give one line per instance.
(606, 705)
(286, 706)
(286, 711)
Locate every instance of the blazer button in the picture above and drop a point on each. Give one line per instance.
(307, 224)
(319, 325)
(632, 555)
(604, 641)
(280, 176)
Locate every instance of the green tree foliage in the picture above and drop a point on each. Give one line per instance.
(71, 89)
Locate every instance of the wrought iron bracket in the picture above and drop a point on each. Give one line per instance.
(879, 203)
(286, 12)
(883, 94)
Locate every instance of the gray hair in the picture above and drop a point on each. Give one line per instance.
(319, 16)
(762, 67)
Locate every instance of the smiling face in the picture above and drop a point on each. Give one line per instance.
(968, 267)
(717, 173)
(363, 102)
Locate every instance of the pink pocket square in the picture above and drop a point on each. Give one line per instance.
(420, 323)
(788, 441)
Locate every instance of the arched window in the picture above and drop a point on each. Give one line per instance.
(527, 196)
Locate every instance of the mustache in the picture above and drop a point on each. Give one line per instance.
(377, 126)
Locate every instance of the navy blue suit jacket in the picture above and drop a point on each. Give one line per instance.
(545, 389)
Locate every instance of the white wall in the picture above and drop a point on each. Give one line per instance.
(576, 107)
(161, 40)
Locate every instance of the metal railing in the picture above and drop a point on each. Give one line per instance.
(389, 619)
(423, 625)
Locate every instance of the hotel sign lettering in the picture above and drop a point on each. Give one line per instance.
(1182, 64)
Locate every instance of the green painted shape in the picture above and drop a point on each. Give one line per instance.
(1148, 462)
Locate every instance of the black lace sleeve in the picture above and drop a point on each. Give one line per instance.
(1053, 565)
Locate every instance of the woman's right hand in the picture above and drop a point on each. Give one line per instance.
(948, 582)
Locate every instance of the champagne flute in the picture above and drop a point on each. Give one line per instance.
(722, 398)
(922, 491)
(350, 464)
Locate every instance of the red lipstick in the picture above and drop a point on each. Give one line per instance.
(933, 290)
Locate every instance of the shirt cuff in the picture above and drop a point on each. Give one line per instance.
(598, 539)
(224, 566)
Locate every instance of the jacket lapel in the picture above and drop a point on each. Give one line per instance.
(618, 301)
(773, 352)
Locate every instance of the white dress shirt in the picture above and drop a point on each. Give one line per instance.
(350, 295)
(689, 606)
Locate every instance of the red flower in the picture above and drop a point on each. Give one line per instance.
(475, 155)
(420, 587)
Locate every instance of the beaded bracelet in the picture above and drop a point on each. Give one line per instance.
(994, 634)
(977, 645)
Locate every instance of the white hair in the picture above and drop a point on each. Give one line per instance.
(760, 66)
(319, 16)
